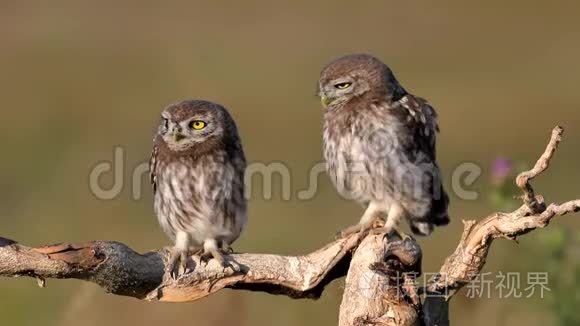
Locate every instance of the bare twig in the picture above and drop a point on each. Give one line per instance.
(524, 178)
(469, 257)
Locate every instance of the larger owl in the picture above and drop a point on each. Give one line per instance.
(197, 172)
(379, 146)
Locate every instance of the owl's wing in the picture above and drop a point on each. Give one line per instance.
(421, 121)
(153, 169)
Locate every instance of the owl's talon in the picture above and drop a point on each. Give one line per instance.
(404, 236)
(219, 255)
(236, 268)
(204, 257)
(361, 229)
(349, 231)
(177, 264)
(183, 262)
(390, 232)
(171, 264)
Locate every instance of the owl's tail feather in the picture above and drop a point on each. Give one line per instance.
(440, 206)
(437, 216)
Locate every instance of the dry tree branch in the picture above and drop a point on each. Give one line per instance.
(470, 255)
(372, 294)
(120, 270)
(377, 291)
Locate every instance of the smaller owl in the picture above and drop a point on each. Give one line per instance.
(197, 173)
(379, 145)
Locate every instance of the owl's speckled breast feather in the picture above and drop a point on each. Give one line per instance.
(201, 196)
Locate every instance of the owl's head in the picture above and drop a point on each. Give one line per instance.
(189, 124)
(355, 76)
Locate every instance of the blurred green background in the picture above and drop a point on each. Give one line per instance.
(81, 77)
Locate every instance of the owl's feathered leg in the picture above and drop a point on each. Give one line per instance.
(218, 252)
(177, 264)
(367, 221)
(396, 213)
(211, 248)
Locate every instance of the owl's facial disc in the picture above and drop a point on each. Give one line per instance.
(187, 133)
(341, 90)
(334, 90)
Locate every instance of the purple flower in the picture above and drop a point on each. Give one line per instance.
(501, 168)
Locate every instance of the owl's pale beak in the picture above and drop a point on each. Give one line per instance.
(176, 134)
(177, 137)
(325, 100)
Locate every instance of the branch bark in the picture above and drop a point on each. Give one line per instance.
(379, 290)
(122, 271)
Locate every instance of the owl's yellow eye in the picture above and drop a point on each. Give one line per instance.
(342, 85)
(197, 124)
